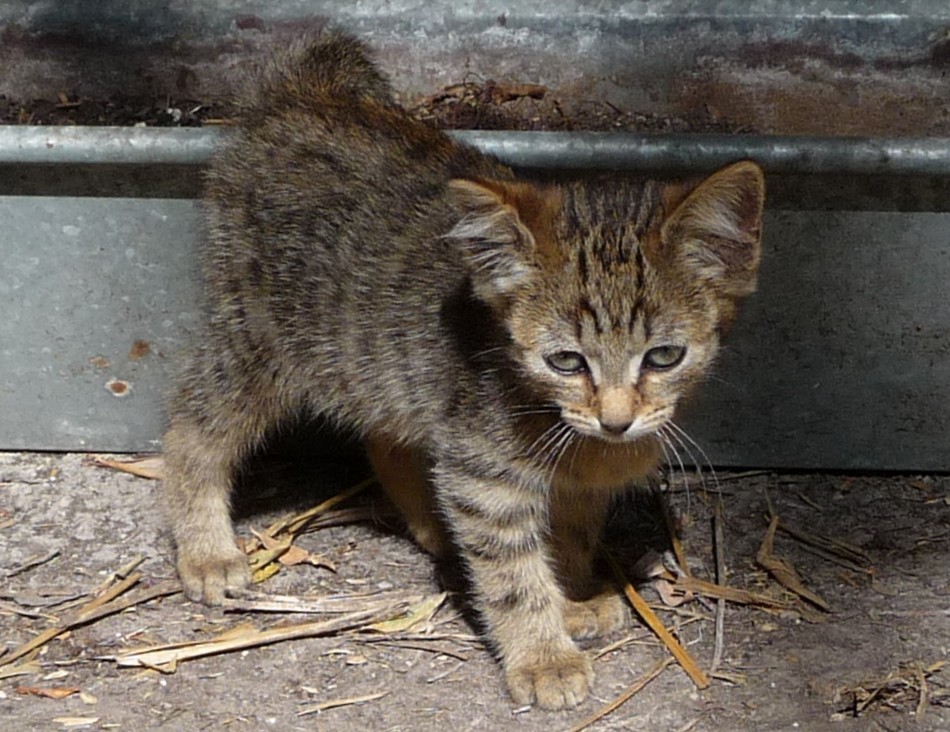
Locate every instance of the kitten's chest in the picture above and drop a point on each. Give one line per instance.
(595, 464)
(592, 464)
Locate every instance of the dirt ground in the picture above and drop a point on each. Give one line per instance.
(872, 663)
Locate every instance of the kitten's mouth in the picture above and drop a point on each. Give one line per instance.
(631, 433)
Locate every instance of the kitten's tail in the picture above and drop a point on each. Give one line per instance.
(333, 64)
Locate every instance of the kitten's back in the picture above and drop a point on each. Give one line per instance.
(325, 259)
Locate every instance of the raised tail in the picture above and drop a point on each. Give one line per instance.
(333, 64)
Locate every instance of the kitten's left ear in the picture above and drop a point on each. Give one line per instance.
(717, 228)
(494, 238)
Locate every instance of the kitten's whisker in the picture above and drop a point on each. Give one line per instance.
(554, 447)
(663, 447)
(702, 453)
(577, 444)
(545, 454)
(697, 468)
(544, 441)
(667, 437)
(561, 448)
(525, 409)
(488, 351)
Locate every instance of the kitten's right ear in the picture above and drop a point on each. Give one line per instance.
(493, 238)
(718, 227)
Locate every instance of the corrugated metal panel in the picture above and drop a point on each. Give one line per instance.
(98, 295)
(839, 362)
(842, 360)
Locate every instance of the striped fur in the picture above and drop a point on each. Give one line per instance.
(511, 352)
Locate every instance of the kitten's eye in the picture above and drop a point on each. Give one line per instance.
(566, 362)
(663, 357)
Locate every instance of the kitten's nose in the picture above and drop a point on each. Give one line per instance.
(614, 426)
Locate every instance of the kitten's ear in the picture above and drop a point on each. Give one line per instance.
(493, 238)
(718, 226)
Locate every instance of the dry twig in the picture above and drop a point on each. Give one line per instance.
(902, 688)
(634, 689)
(93, 610)
(165, 657)
(783, 570)
(264, 603)
(33, 563)
(649, 617)
(719, 539)
(332, 703)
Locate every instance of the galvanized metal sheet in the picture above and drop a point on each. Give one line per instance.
(842, 360)
(97, 297)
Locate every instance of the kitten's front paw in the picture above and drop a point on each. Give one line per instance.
(208, 579)
(600, 615)
(559, 680)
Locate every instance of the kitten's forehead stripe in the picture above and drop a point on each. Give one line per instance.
(588, 311)
(636, 313)
(582, 266)
(604, 225)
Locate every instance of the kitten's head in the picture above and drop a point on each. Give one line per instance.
(615, 292)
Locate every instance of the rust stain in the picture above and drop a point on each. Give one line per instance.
(821, 103)
(100, 362)
(118, 387)
(140, 349)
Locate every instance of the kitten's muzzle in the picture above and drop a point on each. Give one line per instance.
(615, 427)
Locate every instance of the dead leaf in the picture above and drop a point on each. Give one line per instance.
(670, 594)
(152, 467)
(293, 556)
(501, 93)
(421, 612)
(265, 572)
(649, 566)
(296, 555)
(271, 543)
(52, 692)
(173, 653)
(318, 560)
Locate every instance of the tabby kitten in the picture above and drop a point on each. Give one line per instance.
(511, 352)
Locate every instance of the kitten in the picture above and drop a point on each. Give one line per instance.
(512, 352)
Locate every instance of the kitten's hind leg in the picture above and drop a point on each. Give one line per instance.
(208, 436)
(599, 615)
(403, 472)
(593, 607)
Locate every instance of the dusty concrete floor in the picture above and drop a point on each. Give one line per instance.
(790, 673)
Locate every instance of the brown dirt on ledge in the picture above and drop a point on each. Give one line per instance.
(487, 105)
